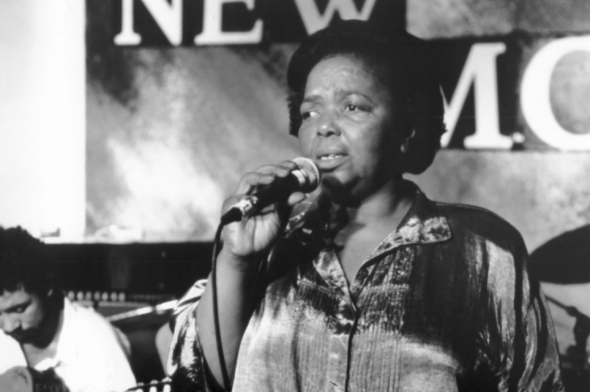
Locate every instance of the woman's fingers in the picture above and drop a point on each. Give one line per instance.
(263, 225)
(285, 167)
(252, 180)
(296, 198)
(264, 175)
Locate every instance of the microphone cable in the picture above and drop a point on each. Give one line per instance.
(222, 364)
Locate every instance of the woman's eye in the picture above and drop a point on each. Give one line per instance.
(352, 108)
(307, 114)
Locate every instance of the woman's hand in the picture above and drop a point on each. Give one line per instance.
(247, 240)
(238, 282)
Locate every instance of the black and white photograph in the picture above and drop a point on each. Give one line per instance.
(294, 195)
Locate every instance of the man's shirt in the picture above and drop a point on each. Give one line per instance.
(89, 355)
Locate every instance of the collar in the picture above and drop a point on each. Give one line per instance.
(424, 223)
(58, 340)
(68, 348)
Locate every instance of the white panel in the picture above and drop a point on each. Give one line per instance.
(42, 126)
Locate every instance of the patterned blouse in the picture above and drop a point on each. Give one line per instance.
(444, 303)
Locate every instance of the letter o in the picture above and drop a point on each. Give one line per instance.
(535, 95)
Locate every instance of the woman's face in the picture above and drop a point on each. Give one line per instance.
(347, 128)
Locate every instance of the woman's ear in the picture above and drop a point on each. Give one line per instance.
(405, 146)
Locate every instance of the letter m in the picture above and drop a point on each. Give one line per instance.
(480, 71)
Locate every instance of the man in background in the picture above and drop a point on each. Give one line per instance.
(46, 339)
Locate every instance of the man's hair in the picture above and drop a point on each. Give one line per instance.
(20, 263)
(400, 62)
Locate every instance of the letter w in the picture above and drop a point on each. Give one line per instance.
(314, 20)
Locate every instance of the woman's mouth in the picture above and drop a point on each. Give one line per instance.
(330, 161)
(330, 157)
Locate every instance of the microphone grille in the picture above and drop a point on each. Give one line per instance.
(310, 172)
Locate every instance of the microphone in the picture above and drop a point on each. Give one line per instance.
(305, 178)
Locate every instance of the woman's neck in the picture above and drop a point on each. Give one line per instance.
(386, 203)
(367, 223)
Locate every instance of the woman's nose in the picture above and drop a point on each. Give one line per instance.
(328, 126)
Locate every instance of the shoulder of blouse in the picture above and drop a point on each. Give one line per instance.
(471, 222)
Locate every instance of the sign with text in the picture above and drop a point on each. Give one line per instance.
(231, 22)
(183, 97)
(516, 92)
(501, 92)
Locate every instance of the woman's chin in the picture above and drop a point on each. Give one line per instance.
(340, 190)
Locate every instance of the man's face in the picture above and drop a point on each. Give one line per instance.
(22, 315)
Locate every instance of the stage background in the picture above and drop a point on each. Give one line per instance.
(170, 129)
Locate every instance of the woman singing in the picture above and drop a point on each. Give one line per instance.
(370, 286)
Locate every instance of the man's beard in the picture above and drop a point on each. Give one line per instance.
(41, 335)
(24, 336)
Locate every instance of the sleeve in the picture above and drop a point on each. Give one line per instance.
(519, 346)
(117, 367)
(186, 365)
(91, 358)
(107, 367)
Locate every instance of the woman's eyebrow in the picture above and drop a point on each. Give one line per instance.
(348, 93)
(310, 99)
(341, 93)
